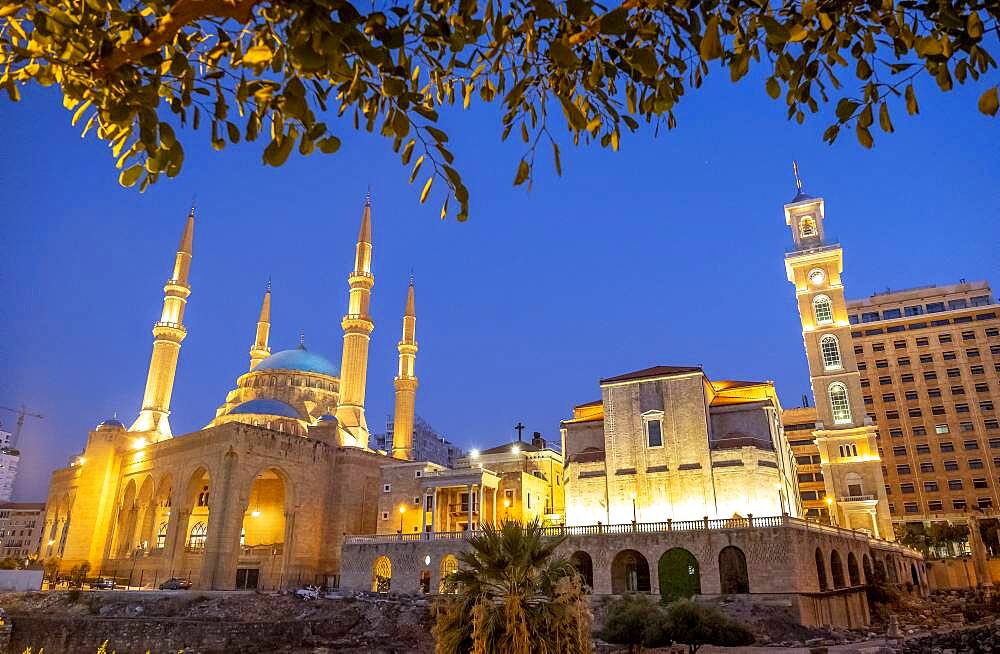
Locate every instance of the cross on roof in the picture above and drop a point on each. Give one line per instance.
(520, 428)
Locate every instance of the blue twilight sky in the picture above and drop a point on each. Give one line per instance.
(668, 252)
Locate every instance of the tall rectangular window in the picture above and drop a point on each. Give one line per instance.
(654, 433)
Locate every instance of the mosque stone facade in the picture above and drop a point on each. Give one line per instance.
(263, 495)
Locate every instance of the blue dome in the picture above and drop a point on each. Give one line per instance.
(299, 359)
(265, 407)
(326, 417)
(110, 423)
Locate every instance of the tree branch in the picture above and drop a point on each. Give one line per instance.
(594, 26)
(183, 13)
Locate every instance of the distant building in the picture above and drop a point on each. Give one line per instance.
(519, 480)
(428, 445)
(9, 458)
(21, 527)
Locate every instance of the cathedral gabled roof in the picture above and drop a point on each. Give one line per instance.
(655, 371)
(299, 359)
(267, 407)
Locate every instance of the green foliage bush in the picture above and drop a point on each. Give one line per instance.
(638, 622)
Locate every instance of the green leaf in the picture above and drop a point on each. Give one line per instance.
(773, 88)
(130, 175)
(864, 136)
(711, 46)
(257, 54)
(563, 55)
(427, 189)
(989, 102)
(846, 109)
(416, 168)
(329, 145)
(645, 60)
(883, 119)
(522, 173)
(974, 25)
(911, 100)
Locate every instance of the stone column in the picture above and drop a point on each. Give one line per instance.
(225, 517)
(434, 508)
(287, 558)
(468, 524)
(423, 514)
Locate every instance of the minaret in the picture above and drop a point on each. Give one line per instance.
(167, 336)
(845, 435)
(358, 327)
(406, 383)
(260, 350)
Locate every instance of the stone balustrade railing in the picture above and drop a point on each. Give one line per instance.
(705, 524)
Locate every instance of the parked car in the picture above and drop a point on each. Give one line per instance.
(104, 583)
(176, 584)
(308, 593)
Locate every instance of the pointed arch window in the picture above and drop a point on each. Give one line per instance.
(161, 536)
(199, 534)
(830, 350)
(840, 406)
(823, 310)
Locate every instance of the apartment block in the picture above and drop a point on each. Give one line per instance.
(929, 360)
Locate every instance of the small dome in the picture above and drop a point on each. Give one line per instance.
(326, 417)
(110, 424)
(299, 359)
(266, 407)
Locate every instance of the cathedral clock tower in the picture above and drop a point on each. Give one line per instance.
(845, 435)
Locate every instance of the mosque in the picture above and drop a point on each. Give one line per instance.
(264, 493)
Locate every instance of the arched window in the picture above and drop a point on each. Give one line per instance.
(820, 569)
(161, 536)
(807, 226)
(199, 534)
(449, 566)
(830, 350)
(381, 575)
(823, 310)
(839, 404)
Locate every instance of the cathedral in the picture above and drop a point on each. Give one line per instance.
(263, 495)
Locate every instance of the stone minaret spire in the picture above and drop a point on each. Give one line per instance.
(406, 383)
(167, 336)
(260, 350)
(358, 327)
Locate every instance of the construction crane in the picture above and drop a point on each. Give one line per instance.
(22, 413)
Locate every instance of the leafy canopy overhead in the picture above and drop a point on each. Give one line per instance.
(284, 72)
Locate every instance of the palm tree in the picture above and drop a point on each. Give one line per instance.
(513, 595)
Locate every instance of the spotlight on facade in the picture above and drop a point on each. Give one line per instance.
(255, 513)
(516, 449)
(427, 560)
(474, 453)
(52, 542)
(139, 443)
(80, 460)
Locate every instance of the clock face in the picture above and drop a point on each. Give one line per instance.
(816, 276)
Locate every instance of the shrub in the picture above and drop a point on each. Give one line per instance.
(695, 625)
(636, 621)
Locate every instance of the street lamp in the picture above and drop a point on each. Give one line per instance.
(506, 505)
(833, 515)
(633, 509)
(402, 510)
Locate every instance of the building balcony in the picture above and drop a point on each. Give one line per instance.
(462, 508)
(857, 499)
